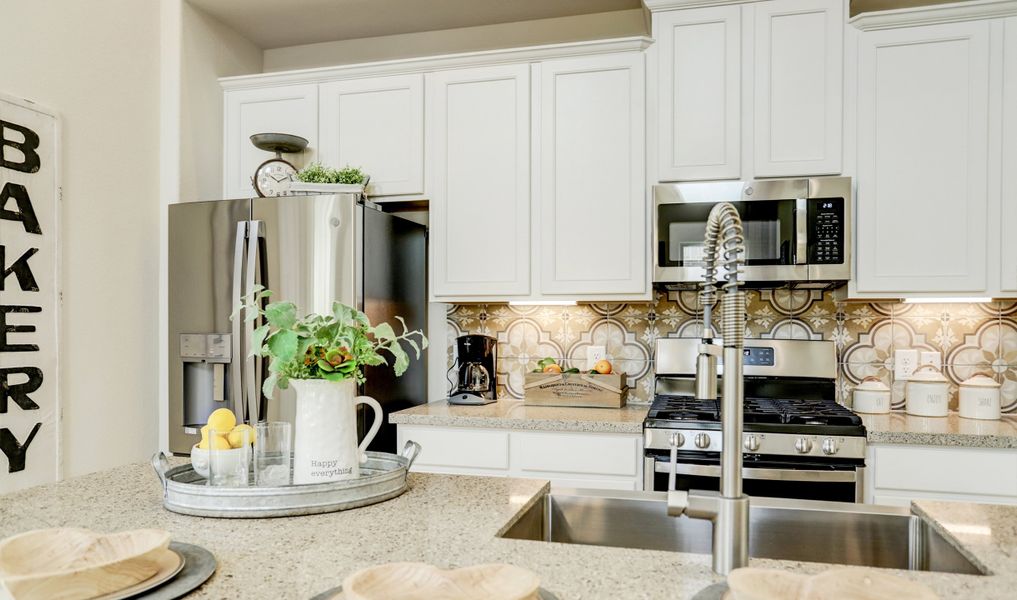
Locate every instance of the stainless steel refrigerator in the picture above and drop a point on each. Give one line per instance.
(310, 250)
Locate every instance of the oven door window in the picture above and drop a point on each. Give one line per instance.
(769, 232)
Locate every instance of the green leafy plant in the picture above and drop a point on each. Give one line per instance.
(318, 173)
(333, 346)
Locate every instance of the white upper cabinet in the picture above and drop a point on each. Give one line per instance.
(376, 124)
(798, 69)
(699, 93)
(748, 90)
(592, 220)
(923, 122)
(1008, 254)
(289, 109)
(479, 182)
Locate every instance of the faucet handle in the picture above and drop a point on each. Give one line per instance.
(676, 440)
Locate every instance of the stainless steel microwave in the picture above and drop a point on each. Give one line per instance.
(796, 230)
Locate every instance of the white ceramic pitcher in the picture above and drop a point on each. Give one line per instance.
(325, 434)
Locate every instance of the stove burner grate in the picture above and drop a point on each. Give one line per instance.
(783, 411)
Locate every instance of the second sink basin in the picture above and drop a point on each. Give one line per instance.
(799, 530)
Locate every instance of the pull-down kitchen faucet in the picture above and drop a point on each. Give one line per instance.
(729, 511)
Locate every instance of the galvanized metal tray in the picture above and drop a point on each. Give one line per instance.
(382, 477)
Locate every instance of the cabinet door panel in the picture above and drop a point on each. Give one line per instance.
(1008, 254)
(700, 93)
(289, 109)
(798, 87)
(922, 164)
(376, 124)
(593, 217)
(479, 166)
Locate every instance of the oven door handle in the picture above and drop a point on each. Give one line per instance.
(848, 476)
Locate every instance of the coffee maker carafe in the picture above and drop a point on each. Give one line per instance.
(476, 380)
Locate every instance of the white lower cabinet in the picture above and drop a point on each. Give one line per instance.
(898, 474)
(567, 459)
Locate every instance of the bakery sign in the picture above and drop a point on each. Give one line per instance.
(29, 299)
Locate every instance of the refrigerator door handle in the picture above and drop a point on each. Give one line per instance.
(237, 359)
(252, 370)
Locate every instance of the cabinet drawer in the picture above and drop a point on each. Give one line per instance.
(454, 447)
(966, 471)
(580, 453)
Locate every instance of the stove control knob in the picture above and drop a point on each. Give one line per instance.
(677, 440)
(830, 446)
(803, 445)
(702, 441)
(751, 442)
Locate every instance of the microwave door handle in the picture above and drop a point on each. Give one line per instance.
(801, 231)
(237, 357)
(252, 372)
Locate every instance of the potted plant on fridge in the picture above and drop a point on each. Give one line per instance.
(322, 356)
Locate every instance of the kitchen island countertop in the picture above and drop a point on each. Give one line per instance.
(449, 521)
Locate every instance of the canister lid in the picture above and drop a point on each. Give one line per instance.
(928, 374)
(981, 379)
(872, 384)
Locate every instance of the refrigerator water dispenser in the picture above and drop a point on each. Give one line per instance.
(206, 368)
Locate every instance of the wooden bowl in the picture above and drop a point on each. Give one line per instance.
(419, 581)
(75, 564)
(845, 583)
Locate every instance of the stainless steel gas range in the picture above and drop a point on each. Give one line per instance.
(798, 442)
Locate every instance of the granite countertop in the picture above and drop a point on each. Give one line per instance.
(513, 414)
(449, 521)
(901, 428)
(892, 428)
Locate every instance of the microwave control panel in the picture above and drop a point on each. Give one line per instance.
(826, 231)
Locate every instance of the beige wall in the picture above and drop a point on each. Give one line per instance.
(97, 64)
(620, 23)
(209, 50)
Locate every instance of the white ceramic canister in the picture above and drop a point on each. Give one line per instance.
(871, 396)
(928, 392)
(979, 397)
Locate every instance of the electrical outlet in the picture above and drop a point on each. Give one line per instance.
(931, 357)
(905, 361)
(593, 354)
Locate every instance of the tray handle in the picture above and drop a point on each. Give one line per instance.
(161, 464)
(410, 452)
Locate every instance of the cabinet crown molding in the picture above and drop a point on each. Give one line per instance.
(433, 63)
(968, 10)
(660, 5)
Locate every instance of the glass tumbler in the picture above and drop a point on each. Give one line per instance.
(272, 454)
(228, 466)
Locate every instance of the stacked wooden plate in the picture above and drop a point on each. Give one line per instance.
(834, 584)
(78, 564)
(419, 581)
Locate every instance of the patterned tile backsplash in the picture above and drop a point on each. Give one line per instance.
(970, 337)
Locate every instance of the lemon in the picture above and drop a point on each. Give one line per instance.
(222, 420)
(219, 442)
(236, 437)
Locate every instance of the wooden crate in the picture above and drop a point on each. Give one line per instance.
(575, 390)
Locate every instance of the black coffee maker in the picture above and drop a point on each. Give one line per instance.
(476, 380)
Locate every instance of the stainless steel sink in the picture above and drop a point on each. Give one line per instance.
(800, 530)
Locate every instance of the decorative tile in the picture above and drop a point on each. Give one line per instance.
(944, 325)
(971, 336)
